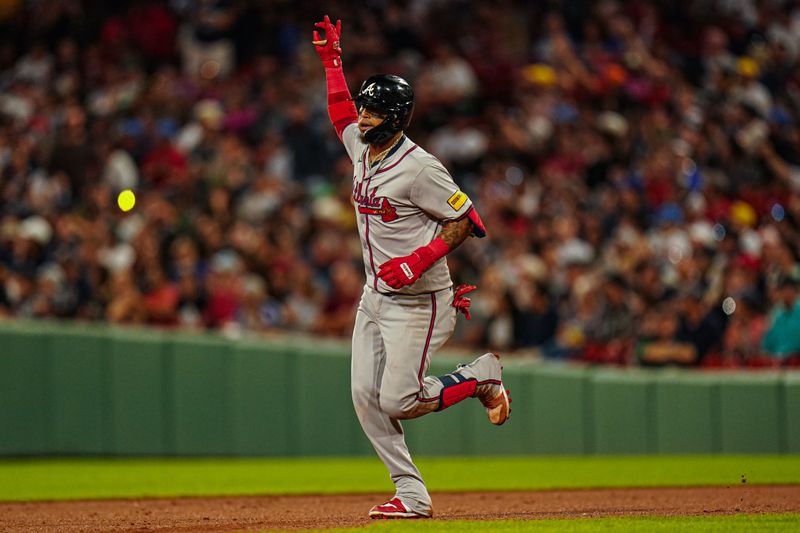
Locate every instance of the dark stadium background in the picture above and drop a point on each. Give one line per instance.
(637, 165)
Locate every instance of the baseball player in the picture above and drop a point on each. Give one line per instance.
(410, 215)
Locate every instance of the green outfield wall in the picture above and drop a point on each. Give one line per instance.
(82, 390)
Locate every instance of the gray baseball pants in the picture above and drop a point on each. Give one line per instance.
(393, 339)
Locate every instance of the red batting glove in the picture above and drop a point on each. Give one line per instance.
(328, 47)
(461, 302)
(401, 271)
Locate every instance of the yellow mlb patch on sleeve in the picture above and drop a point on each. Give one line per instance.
(458, 200)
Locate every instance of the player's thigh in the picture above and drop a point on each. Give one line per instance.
(413, 329)
(445, 320)
(367, 345)
(368, 357)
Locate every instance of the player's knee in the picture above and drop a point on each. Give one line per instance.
(361, 397)
(399, 407)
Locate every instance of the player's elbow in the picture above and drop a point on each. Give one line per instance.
(398, 407)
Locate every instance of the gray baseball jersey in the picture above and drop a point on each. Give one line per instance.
(401, 203)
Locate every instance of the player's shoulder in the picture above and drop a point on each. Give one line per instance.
(424, 159)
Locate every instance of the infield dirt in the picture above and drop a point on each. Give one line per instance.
(254, 513)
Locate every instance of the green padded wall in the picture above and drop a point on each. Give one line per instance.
(80, 391)
(623, 412)
(751, 413)
(260, 403)
(200, 395)
(323, 419)
(139, 410)
(73, 389)
(25, 417)
(686, 408)
(791, 413)
(559, 405)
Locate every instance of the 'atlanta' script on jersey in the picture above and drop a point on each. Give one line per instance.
(373, 205)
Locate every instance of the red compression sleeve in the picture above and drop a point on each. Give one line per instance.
(340, 106)
(432, 252)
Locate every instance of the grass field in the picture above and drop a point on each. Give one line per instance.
(65, 479)
(715, 524)
(52, 479)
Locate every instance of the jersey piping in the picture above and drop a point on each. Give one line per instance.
(398, 161)
(366, 227)
(425, 352)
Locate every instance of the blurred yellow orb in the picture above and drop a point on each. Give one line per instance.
(126, 200)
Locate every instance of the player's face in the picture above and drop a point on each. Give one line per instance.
(369, 119)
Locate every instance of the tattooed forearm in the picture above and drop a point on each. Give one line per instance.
(455, 232)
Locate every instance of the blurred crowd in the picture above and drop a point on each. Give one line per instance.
(637, 165)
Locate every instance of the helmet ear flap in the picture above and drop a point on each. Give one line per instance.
(394, 122)
(407, 118)
(380, 133)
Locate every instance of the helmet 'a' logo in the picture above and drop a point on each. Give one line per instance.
(369, 90)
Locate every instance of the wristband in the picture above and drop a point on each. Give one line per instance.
(432, 252)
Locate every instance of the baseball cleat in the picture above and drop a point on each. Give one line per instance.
(488, 372)
(392, 509)
(498, 408)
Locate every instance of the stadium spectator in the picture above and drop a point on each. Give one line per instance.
(660, 342)
(742, 341)
(638, 168)
(781, 340)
